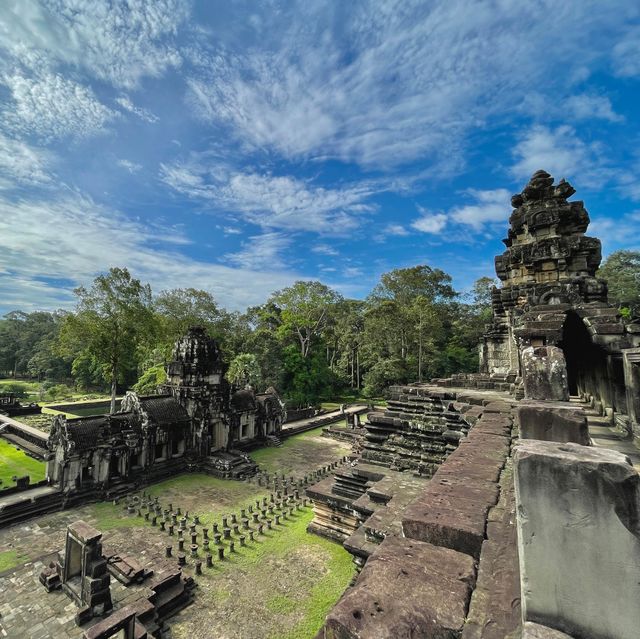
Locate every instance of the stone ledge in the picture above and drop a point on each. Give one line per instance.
(407, 589)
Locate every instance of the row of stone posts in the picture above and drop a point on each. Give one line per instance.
(266, 514)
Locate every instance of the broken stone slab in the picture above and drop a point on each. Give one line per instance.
(407, 588)
(544, 372)
(578, 538)
(557, 422)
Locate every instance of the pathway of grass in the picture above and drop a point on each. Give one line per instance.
(15, 462)
(300, 454)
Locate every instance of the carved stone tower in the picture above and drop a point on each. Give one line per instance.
(196, 380)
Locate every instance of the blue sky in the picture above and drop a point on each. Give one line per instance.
(238, 146)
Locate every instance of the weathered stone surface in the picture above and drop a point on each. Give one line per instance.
(554, 423)
(579, 539)
(536, 631)
(544, 372)
(407, 589)
(494, 612)
(451, 515)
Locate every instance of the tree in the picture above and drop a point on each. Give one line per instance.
(244, 370)
(621, 270)
(112, 318)
(304, 311)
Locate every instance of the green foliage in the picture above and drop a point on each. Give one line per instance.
(305, 309)
(19, 389)
(149, 381)
(58, 391)
(244, 370)
(307, 379)
(27, 345)
(622, 272)
(113, 318)
(384, 373)
(306, 340)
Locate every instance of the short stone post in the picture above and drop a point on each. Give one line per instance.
(221, 553)
(167, 551)
(209, 559)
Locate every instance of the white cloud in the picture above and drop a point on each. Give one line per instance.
(132, 167)
(585, 107)
(396, 81)
(433, 223)
(489, 206)
(261, 252)
(52, 107)
(44, 242)
(277, 202)
(558, 151)
(626, 54)
(119, 41)
(22, 164)
(616, 233)
(324, 249)
(395, 229)
(144, 114)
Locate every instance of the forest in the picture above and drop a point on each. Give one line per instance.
(306, 340)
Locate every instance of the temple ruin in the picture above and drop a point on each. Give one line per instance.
(496, 505)
(198, 421)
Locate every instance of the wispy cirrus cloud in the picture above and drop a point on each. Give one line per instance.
(144, 114)
(272, 201)
(261, 252)
(70, 239)
(22, 164)
(560, 151)
(395, 82)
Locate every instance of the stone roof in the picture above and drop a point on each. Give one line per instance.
(85, 432)
(164, 410)
(243, 400)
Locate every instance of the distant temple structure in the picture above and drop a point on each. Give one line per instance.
(198, 422)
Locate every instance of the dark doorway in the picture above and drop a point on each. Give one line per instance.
(586, 362)
(114, 466)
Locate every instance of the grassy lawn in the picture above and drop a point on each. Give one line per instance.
(14, 462)
(300, 454)
(281, 586)
(286, 582)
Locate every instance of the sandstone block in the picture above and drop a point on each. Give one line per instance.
(407, 589)
(578, 539)
(559, 423)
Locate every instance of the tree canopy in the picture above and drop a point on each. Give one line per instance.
(306, 340)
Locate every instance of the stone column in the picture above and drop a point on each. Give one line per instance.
(579, 539)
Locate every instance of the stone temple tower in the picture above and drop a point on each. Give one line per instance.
(196, 380)
(551, 304)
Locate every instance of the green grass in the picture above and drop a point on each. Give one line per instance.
(294, 454)
(298, 613)
(311, 604)
(15, 462)
(10, 559)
